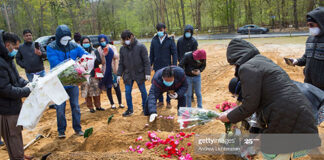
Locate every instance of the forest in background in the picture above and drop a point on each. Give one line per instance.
(111, 17)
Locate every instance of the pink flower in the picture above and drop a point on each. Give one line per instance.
(149, 145)
(151, 135)
(218, 106)
(138, 147)
(131, 149)
(171, 137)
(181, 138)
(189, 144)
(176, 142)
(140, 151)
(226, 108)
(139, 138)
(178, 135)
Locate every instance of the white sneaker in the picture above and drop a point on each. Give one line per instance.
(152, 117)
(113, 106)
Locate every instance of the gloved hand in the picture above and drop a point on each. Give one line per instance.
(31, 86)
(174, 95)
(291, 61)
(148, 77)
(152, 117)
(118, 79)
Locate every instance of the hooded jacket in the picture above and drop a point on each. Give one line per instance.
(189, 64)
(27, 59)
(313, 59)
(185, 45)
(268, 91)
(161, 54)
(179, 86)
(57, 53)
(134, 63)
(12, 86)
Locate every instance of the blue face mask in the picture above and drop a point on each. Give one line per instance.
(167, 83)
(13, 53)
(160, 34)
(187, 34)
(86, 45)
(103, 44)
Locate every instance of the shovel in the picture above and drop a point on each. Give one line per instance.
(38, 137)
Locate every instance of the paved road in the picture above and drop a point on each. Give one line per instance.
(231, 36)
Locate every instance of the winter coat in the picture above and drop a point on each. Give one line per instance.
(27, 59)
(57, 53)
(12, 86)
(134, 63)
(313, 59)
(189, 64)
(185, 45)
(268, 91)
(179, 86)
(161, 54)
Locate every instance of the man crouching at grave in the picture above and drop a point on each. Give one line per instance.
(171, 79)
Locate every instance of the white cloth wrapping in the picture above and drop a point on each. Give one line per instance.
(49, 89)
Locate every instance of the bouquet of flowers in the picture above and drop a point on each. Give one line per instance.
(225, 107)
(76, 72)
(190, 117)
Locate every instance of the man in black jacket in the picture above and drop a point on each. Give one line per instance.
(194, 63)
(163, 53)
(313, 59)
(12, 89)
(187, 43)
(280, 106)
(30, 56)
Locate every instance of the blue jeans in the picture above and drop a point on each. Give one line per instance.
(30, 76)
(168, 99)
(76, 115)
(128, 93)
(195, 83)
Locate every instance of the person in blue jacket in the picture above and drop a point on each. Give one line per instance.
(163, 53)
(59, 50)
(171, 79)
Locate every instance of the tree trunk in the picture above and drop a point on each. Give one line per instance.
(157, 12)
(42, 5)
(178, 14)
(162, 11)
(183, 13)
(283, 21)
(166, 13)
(198, 13)
(193, 15)
(311, 5)
(6, 16)
(295, 15)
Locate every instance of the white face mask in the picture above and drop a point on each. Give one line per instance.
(65, 40)
(314, 31)
(127, 42)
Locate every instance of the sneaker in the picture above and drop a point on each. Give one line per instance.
(100, 109)
(92, 111)
(113, 106)
(121, 106)
(80, 133)
(160, 104)
(61, 135)
(52, 107)
(127, 113)
(169, 106)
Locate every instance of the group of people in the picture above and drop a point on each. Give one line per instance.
(279, 104)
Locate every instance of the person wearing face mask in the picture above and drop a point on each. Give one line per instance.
(194, 63)
(12, 89)
(109, 68)
(91, 91)
(134, 66)
(172, 80)
(280, 106)
(58, 51)
(31, 57)
(187, 43)
(163, 53)
(313, 59)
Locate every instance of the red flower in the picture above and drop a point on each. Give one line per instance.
(182, 134)
(82, 59)
(189, 144)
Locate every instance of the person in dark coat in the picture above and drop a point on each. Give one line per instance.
(172, 80)
(313, 59)
(280, 106)
(91, 91)
(12, 89)
(194, 63)
(57, 51)
(163, 53)
(187, 43)
(30, 57)
(134, 66)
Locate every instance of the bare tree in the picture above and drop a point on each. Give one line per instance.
(6, 16)
(183, 13)
(295, 15)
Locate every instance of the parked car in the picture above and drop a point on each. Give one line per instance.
(253, 29)
(45, 40)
